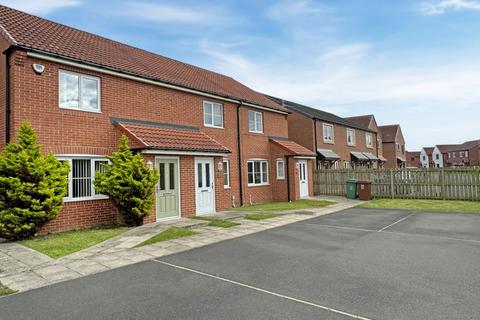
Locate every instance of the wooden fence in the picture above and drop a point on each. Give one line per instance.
(448, 184)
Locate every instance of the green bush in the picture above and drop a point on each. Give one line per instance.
(32, 186)
(129, 183)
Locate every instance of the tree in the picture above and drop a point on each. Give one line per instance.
(129, 183)
(32, 186)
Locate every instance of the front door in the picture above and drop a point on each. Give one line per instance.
(204, 186)
(303, 176)
(168, 203)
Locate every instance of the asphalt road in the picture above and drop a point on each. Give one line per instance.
(369, 264)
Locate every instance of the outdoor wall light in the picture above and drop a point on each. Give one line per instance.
(150, 165)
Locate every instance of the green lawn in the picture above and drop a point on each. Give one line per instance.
(169, 234)
(65, 243)
(280, 206)
(262, 216)
(5, 291)
(219, 223)
(425, 205)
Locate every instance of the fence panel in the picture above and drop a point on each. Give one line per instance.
(408, 183)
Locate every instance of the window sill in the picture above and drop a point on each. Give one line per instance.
(227, 187)
(258, 185)
(212, 126)
(85, 199)
(280, 178)
(79, 109)
(329, 141)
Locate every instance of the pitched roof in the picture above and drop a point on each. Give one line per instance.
(363, 121)
(157, 136)
(317, 114)
(389, 133)
(34, 33)
(428, 150)
(292, 147)
(444, 148)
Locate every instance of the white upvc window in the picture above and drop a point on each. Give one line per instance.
(255, 121)
(280, 169)
(257, 172)
(368, 140)
(226, 174)
(466, 154)
(78, 91)
(351, 137)
(212, 114)
(328, 135)
(81, 177)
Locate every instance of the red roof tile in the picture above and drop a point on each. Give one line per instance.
(292, 147)
(363, 121)
(31, 32)
(165, 138)
(389, 133)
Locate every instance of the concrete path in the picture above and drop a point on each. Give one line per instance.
(23, 269)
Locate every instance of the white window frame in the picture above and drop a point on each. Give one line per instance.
(80, 90)
(226, 171)
(332, 140)
(282, 163)
(369, 145)
(256, 114)
(354, 142)
(69, 197)
(212, 125)
(262, 183)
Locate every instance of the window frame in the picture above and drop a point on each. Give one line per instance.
(226, 171)
(324, 126)
(354, 140)
(93, 159)
(262, 183)
(80, 90)
(277, 163)
(255, 114)
(212, 125)
(369, 145)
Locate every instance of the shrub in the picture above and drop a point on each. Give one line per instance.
(32, 186)
(129, 183)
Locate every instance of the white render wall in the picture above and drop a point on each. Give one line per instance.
(437, 158)
(423, 155)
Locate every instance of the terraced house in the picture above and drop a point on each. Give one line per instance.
(215, 142)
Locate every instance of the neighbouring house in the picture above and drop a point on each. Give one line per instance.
(393, 146)
(338, 142)
(413, 159)
(459, 155)
(369, 121)
(426, 157)
(440, 154)
(215, 142)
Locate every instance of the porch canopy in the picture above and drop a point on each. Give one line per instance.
(358, 156)
(147, 135)
(327, 155)
(400, 159)
(292, 147)
(382, 158)
(370, 156)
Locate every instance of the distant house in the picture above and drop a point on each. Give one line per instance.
(462, 155)
(440, 155)
(393, 144)
(413, 159)
(426, 157)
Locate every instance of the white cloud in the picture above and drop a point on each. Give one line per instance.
(289, 8)
(40, 7)
(441, 6)
(352, 51)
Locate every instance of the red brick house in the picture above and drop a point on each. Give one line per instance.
(457, 155)
(393, 146)
(413, 159)
(216, 142)
(338, 142)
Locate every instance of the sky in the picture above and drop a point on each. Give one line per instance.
(411, 62)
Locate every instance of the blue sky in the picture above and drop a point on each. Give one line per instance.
(413, 62)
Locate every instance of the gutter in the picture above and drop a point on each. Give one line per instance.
(239, 150)
(8, 109)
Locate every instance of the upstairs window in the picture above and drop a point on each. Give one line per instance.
(79, 92)
(368, 140)
(327, 133)
(350, 137)
(255, 121)
(212, 114)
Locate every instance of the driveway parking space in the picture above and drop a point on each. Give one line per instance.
(354, 264)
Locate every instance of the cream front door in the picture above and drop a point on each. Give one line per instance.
(204, 185)
(303, 177)
(168, 203)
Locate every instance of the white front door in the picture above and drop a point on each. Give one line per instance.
(204, 186)
(303, 176)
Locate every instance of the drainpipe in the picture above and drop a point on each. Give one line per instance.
(8, 53)
(315, 142)
(239, 150)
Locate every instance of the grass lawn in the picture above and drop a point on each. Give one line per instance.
(219, 223)
(279, 206)
(425, 205)
(262, 216)
(5, 291)
(65, 243)
(169, 234)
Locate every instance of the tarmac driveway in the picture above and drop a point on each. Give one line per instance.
(354, 264)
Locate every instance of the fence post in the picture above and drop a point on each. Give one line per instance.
(442, 183)
(392, 184)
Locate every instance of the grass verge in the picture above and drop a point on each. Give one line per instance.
(65, 243)
(424, 205)
(219, 223)
(262, 216)
(5, 291)
(280, 206)
(169, 234)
